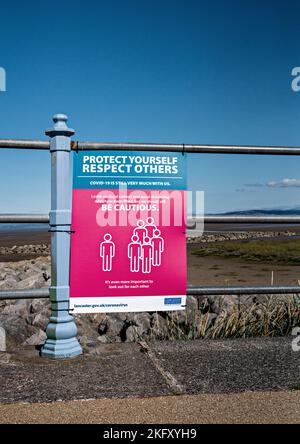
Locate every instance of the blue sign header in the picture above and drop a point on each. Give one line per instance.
(133, 169)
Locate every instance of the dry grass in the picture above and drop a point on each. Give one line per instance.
(274, 318)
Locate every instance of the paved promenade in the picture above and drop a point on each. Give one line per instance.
(243, 380)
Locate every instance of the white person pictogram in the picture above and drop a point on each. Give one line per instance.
(157, 247)
(146, 247)
(107, 252)
(134, 253)
(150, 226)
(140, 231)
(147, 255)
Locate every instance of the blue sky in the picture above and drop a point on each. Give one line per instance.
(178, 71)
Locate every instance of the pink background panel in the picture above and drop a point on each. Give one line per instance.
(86, 277)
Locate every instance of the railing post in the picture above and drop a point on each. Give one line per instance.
(61, 331)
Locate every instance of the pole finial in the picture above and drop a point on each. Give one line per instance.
(60, 127)
(60, 118)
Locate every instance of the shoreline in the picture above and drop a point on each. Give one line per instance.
(36, 236)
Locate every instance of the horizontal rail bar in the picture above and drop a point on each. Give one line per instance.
(40, 293)
(25, 144)
(191, 291)
(24, 218)
(213, 149)
(203, 291)
(188, 148)
(192, 221)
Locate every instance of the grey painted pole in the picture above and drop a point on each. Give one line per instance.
(61, 331)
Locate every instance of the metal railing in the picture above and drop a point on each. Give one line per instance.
(34, 293)
(43, 293)
(24, 218)
(25, 144)
(61, 331)
(186, 148)
(192, 221)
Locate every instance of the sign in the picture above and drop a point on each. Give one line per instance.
(128, 242)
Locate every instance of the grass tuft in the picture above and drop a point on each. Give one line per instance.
(274, 318)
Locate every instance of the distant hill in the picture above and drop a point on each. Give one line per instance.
(269, 212)
(259, 212)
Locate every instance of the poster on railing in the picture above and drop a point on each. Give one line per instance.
(128, 242)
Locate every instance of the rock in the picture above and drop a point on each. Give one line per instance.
(223, 303)
(117, 339)
(16, 327)
(143, 322)
(187, 316)
(134, 333)
(78, 321)
(102, 327)
(40, 306)
(192, 303)
(217, 237)
(40, 321)
(46, 276)
(90, 343)
(255, 299)
(96, 318)
(83, 340)
(10, 283)
(104, 339)
(2, 340)
(36, 339)
(5, 358)
(17, 308)
(159, 327)
(115, 324)
(36, 281)
(26, 274)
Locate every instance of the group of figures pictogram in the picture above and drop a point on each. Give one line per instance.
(144, 251)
